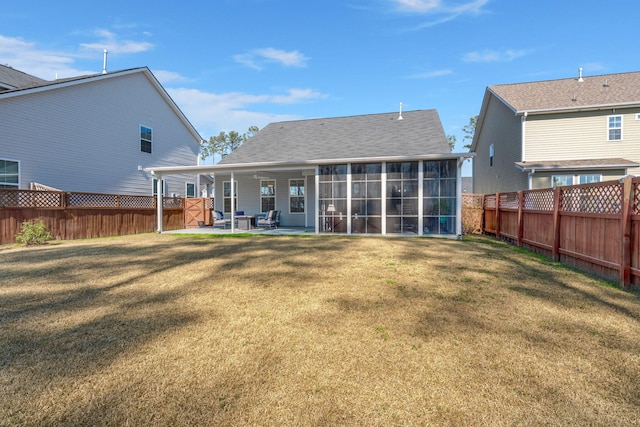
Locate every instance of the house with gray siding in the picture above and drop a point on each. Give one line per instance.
(557, 132)
(380, 174)
(93, 133)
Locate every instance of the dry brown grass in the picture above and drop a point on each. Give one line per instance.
(163, 330)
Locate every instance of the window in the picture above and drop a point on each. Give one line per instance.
(9, 174)
(226, 196)
(402, 197)
(145, 139)
(366, 198)
(267, 195)
(439, 197)
(296, 196)
(560, 180)
(588, 179)
(491, 155)
(191, 190)
(155, 187)
(615, 128)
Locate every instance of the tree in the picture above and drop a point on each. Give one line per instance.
(451, 139)
(226, 142)
(470, 130)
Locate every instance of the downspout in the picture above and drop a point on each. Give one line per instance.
(531, 172)
(523, 122)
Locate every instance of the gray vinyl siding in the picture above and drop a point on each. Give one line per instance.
(582, 135)
(502, 128)
(85, 137)
(248, 190)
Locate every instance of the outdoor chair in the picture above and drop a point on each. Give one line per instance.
(269, 221)
(218, 220)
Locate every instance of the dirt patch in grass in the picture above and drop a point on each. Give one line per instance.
(165, 330)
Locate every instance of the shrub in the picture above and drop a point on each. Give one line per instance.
(34, 233)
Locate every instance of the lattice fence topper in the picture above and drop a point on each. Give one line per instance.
(636, 198)
(137, 202)
(472, 201)
(87, 200)
(30, 199)
(490, 201)
(509, 200)
(538, 200)
(172, 203)
(601, 199)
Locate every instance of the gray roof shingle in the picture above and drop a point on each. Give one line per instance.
(374, 135)
(10, 78)
(567, 94)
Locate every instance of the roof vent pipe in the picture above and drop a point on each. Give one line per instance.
(400, 116)
(580, 79)
(104, 63)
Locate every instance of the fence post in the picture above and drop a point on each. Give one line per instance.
(520, 224)
(484, 215)
(625, 234)
(497, 215)
(555, 251)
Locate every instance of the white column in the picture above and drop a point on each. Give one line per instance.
(159, 188)
(459, 197)
(420, 197)
(233, 204)
(349, 198)
(316, 215)
(383, 183)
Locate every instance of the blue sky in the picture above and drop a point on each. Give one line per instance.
(230, 64)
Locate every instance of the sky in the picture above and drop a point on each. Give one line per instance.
(231, 64)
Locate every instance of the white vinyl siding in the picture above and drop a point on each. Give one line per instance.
(56, 151)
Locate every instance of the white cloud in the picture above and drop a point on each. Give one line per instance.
(111, 42)
(431, 74)
(441, 10)
(27, 57)
(211, 113)
(488, 55)
(440, 6)
(165, 77)
(257, 58)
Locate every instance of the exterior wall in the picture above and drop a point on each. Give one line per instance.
(502, 128)
(543, 179)
(582, 135)
(86, 137)
(248, 190)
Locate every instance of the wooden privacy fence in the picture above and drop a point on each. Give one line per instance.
(85, 215)
(593, 227)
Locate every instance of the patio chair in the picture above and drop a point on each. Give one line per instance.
(218, 219)
(269, 221)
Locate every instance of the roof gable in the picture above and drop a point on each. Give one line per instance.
(606, 90)
(420, 132)
(15, 79)
(45, 85)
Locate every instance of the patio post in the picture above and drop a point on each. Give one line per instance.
(159, 194)
(233, 205)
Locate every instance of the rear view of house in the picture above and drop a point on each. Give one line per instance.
(557, 132)
(378, 174)
(92, 133)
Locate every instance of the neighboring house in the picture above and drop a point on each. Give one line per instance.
(557, 132)
(92, 133)
(370, 174)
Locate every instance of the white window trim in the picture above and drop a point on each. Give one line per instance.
(235, 186)
(19, 169)
(274, 197)
(609, 128)
(575, 177)
(186, 190)
(153, 187)
(492, 155)
(140, 139)
(637, 116)
(304, 183)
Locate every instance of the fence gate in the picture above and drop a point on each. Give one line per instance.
(194, 211)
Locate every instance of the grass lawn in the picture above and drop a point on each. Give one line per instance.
(169, 330)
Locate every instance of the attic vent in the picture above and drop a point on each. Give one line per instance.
(574, 98)
(580, 79)
(400, 116)
(606, 83)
